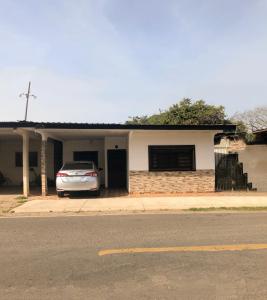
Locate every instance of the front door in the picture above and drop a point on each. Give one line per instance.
(117, 168)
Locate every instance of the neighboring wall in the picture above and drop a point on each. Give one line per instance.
(254, 159)
(143, 181)
(8, 148)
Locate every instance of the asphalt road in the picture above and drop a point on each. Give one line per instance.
(57, 257)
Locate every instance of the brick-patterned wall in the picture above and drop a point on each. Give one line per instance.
(172, 182)
(44, 168)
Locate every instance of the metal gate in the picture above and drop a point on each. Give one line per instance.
(229, 175)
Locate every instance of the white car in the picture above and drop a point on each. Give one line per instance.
(78, 176)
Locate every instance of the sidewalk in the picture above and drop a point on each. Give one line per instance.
(138, 204)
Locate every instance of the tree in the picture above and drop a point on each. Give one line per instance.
(252, 120)
(185, 112)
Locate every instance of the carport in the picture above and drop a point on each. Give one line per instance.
(106, 147)
(16, 161)
(56, 143)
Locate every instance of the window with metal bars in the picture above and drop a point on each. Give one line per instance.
(172, 158)
(33, 159)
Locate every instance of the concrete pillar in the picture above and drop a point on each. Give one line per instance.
(129, 155)
(25, 164)
(44, 166)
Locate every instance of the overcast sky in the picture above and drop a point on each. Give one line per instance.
(105, 60)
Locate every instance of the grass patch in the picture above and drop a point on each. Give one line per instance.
(242, 208)
(21, 199)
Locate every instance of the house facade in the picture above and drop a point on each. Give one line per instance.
(139, 158)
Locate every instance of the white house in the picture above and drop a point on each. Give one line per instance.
(139, 158)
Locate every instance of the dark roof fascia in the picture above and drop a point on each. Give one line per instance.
(19, 124)
(50, 125)
(257, 143)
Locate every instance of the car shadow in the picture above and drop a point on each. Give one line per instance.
(80, 195)
(104, 193)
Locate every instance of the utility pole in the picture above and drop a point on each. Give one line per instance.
(27, 96)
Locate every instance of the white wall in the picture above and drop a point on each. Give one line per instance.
(140, 140)
(112, 142)
(85, 145)
(254, 159)
(8, 148)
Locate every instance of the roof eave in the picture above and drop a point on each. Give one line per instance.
(57, 125)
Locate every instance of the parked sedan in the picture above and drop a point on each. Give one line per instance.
(78, 176)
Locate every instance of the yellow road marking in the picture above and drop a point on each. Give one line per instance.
(210, 248)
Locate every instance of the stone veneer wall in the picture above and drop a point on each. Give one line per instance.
(172, 182)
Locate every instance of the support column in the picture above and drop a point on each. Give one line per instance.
(129, 158)
(44, 166)
(25, 164)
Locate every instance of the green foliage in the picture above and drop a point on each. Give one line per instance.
(143, 120)
(21, 198)
(242, 131)
(249, 121)
(185, 112)
(253, 120)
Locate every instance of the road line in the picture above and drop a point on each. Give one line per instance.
(210, 248)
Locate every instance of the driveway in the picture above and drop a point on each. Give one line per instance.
(58, 258)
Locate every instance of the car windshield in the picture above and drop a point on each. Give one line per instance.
(78, 166)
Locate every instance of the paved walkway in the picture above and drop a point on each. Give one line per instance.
(138, 203)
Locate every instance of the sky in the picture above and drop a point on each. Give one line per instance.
(105, 60)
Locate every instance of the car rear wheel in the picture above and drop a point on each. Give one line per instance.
(96, 193)
(60, 194)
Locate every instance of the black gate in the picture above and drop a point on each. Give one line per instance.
(229, 175)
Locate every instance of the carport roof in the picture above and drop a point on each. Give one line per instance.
(58, 125)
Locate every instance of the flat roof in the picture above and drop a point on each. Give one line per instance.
(59, 125)
(263, 130)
